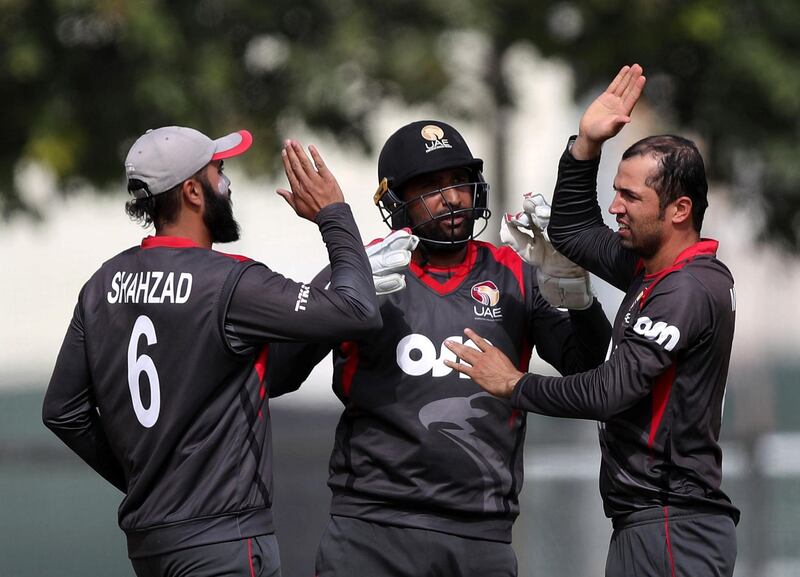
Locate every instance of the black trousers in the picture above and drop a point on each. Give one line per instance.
(252, 557)
(672, 542)
(356, 548)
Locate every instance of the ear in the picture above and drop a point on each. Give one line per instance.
(192, 194)
(682, 210)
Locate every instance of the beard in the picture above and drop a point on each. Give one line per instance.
(643, 248)
(647, 239)
(218, 215)
(439, 235)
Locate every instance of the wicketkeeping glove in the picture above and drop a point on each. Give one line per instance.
(562, 283)
(388, 256)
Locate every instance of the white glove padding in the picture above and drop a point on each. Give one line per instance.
(562, 283)
(388, 256)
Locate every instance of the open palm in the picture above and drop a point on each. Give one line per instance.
(610, 111)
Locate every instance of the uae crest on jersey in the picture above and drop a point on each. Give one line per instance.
(488, 295)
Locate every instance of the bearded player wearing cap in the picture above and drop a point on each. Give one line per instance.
(426, 468)
(159, 384)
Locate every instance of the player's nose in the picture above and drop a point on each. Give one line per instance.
(616, 206)
(455, 196)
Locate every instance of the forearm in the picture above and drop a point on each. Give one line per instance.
(290, 364)
(351, 273)
(83, 434)
(575, 208)
(592, 334)
(577, 229)
(585, 148)
(265, 306)
(579, 396)
(69, 411)
(598, 394)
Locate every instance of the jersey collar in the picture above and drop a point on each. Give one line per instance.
(459, 272)
(181, 242)
(705, 246)
(168, 242)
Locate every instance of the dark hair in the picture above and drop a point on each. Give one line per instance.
(681, 172)
(159, 209)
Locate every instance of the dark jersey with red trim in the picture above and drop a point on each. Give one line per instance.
(659, 396)
(419, 445)
(159, 383)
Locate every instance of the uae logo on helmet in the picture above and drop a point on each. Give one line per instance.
(486, 293)
(435, 137)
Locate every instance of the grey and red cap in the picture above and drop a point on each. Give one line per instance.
(164, 157)
(422, 147)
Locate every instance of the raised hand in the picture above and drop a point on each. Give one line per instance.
(313, 186)
(609, 112)
(487, 365)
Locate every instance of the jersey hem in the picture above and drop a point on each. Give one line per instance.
(194, 532)
(656, 515)
(471, 525)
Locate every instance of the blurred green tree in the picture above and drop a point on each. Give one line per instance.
(81, 78)
(727, 71)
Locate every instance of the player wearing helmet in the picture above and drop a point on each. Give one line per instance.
(426, 468)
(439, 196)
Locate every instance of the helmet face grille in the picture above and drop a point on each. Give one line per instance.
(421, 148)
(439, 229)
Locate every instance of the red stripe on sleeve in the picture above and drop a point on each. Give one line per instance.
(261, 370)
(261, 363)
(660, 398)
(350, 351)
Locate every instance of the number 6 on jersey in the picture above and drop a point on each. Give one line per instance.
(136, 365)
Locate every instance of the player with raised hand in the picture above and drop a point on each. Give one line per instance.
(609, 112)
(387, 256)
(311, 186)
(159, 385)
(659, 396)
(426, 468)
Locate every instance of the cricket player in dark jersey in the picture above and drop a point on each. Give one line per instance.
(159, 385)
(659, 396)
(426, 467)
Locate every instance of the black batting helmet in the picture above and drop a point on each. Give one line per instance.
(419, 148)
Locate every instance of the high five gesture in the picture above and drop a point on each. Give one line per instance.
(313, 186)
(610, 111)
